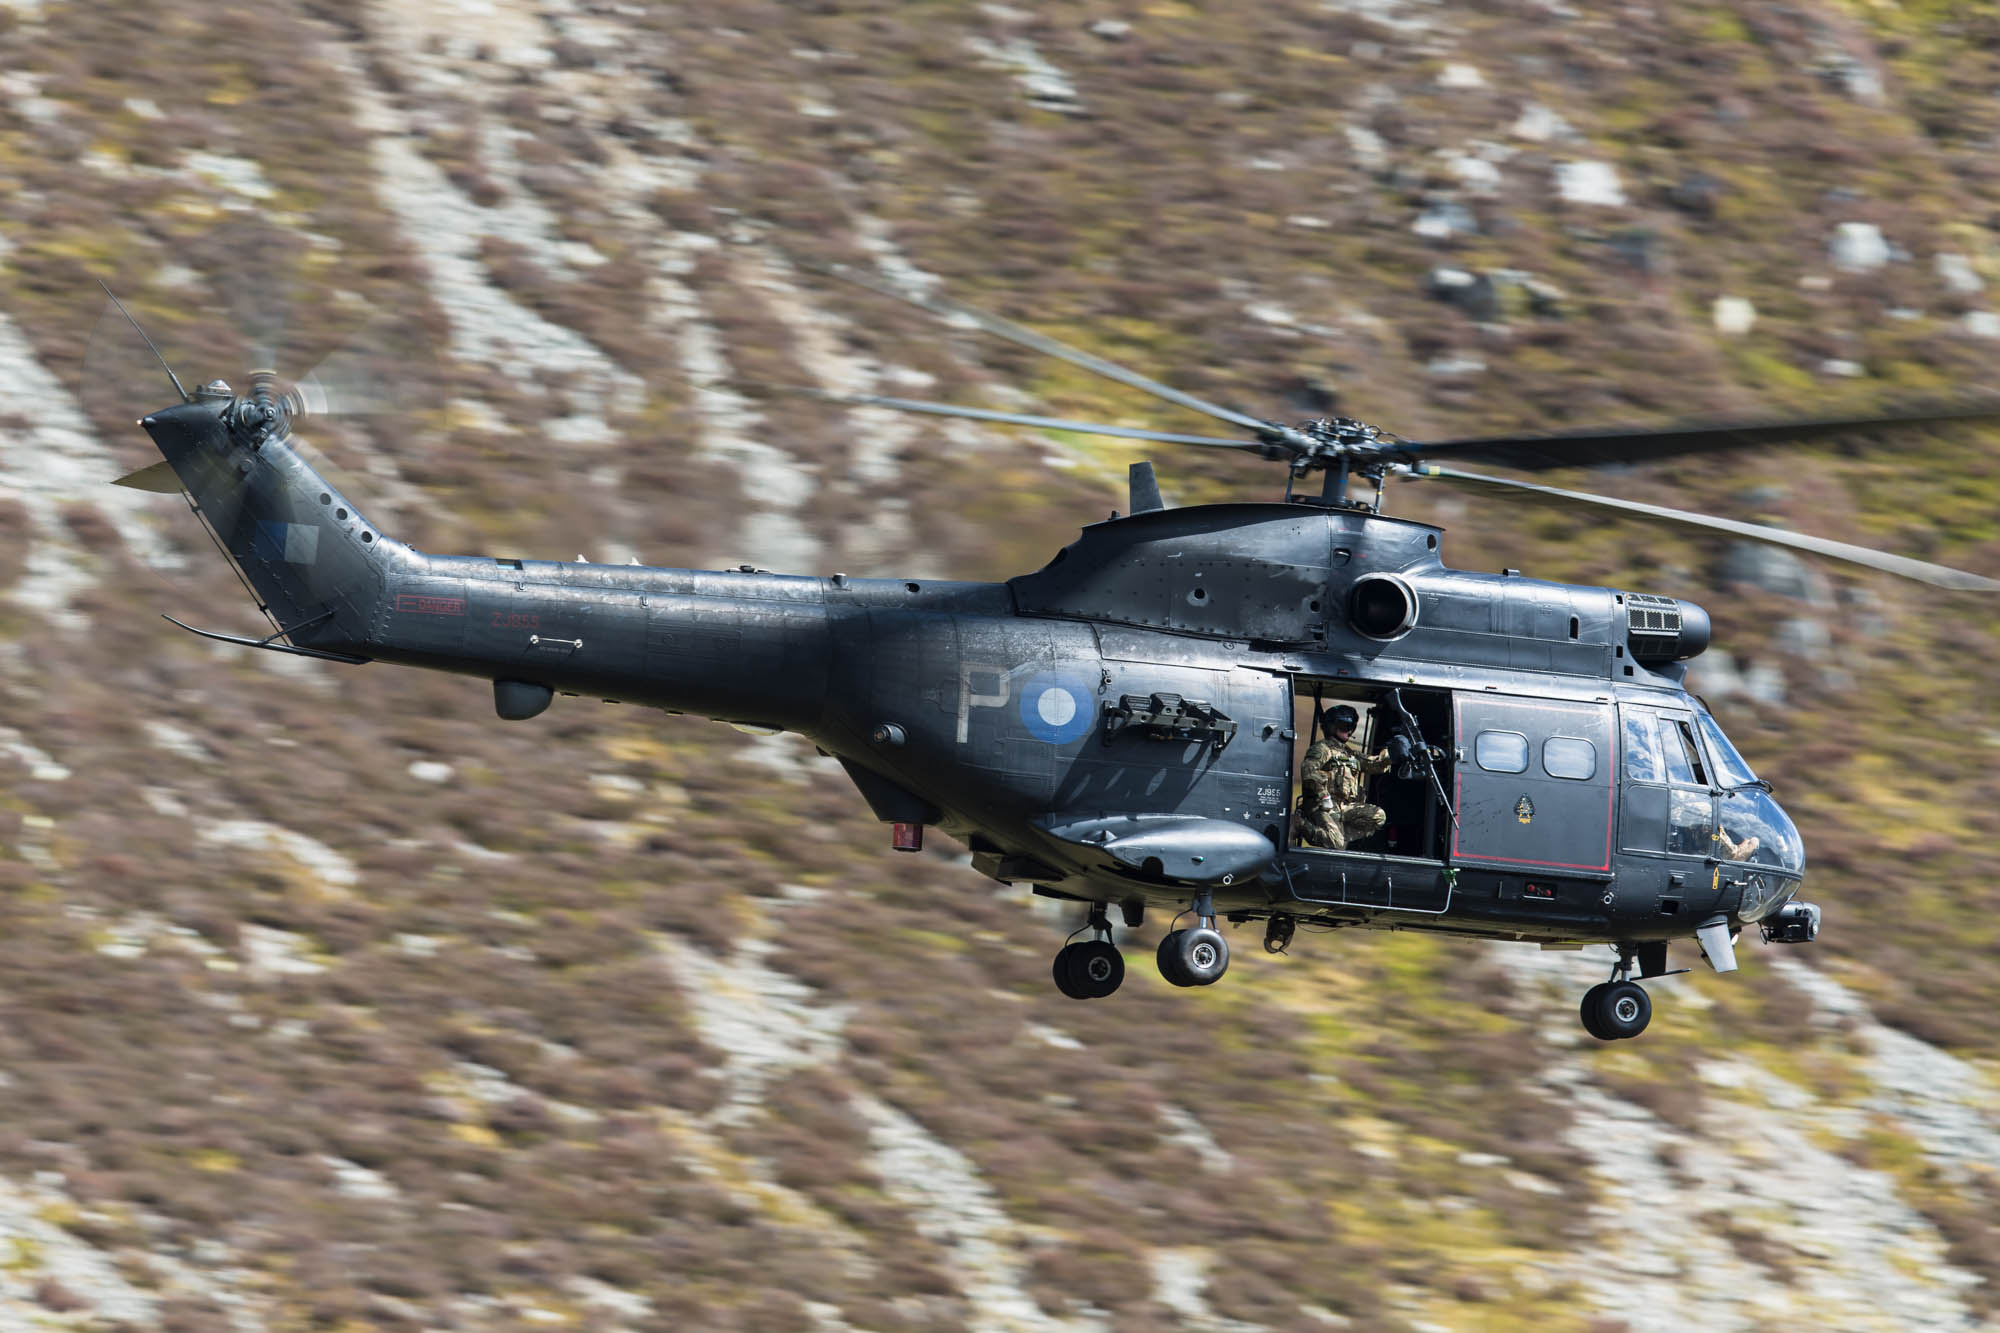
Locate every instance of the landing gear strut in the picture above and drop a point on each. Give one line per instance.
(1195, 957)
(1619, 1008)
(1090, 969)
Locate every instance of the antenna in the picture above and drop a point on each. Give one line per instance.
(149, 342)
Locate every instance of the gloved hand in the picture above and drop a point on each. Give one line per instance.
(1437, 755)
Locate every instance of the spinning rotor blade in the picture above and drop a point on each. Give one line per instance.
(1937, 575)
(946, 308)
(343, 385)
(1582, 448)
(1018, 418)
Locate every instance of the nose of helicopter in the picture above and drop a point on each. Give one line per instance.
(1760, 841)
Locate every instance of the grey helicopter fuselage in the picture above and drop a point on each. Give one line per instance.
(1119, 726)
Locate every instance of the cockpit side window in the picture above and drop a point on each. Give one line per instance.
(1642, 748)
(1730, 768)
(1679, 769)
(1692, 750)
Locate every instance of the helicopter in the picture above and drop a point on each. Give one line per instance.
(1119, 729)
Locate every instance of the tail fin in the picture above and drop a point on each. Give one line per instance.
(310, 558)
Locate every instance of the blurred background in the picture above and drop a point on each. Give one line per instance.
(328, 1001)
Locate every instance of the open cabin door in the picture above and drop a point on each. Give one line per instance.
(1534, 781)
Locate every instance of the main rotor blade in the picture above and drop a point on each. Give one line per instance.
(1937, 575)
(1016, 418)
(946, 308)
(1535, 453)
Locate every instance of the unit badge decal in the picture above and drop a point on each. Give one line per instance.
(1524, 809)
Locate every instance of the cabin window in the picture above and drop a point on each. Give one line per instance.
(1642, 748)
(1569, 757)
(1501, 751)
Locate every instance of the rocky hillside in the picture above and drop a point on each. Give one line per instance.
(329, 1002)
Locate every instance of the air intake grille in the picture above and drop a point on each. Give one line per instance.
(1652, 622)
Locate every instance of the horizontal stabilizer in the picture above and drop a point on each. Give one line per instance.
(159, 477)
(1187, 848)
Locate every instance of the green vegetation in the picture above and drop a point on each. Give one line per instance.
(484, 1018)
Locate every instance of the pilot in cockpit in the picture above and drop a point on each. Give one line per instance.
(1734, 850)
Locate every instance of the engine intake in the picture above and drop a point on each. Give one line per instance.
(1382, 606)
(1664, 629)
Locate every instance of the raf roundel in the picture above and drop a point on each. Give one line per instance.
(1056, 709)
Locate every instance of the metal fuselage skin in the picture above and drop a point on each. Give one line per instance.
(996, 711)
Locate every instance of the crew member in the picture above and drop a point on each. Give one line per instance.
(1734, 850)
(1331, 811)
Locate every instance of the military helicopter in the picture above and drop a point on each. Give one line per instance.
(1118, 727)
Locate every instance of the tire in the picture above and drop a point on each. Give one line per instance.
(1096, 968)
(1624, 1010)
(1065, 974)
(1201, 955)
(1168, 956)
(1587, 1011)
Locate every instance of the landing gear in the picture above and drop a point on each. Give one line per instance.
(1090, 969)
(1619, 1008)
(1196, 957)
(1623, 1010)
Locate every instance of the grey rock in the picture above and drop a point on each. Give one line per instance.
(1775, 569)
(1520, 289)
(1445, 219)
(1803, 636)
(1959, 275)
(1865, 613)
(1370, 150)
(1696, 194)
(1714, 676)
(1446, 367)
(1593, 183)
(1474, 293)
(1640, 247)
(1765, 683)
(1734, 316)
(1111, 30)
(1538, 124)
(1858, 247)
(1852, 77)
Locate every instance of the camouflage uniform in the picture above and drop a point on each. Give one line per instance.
(1737, 851)
(1333, 770)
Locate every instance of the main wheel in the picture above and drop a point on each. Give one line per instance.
(1067, 979)
(1095, 968)
(1201, 955)
(1168, 956)
(1624, 1010)
(1587, 1011)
